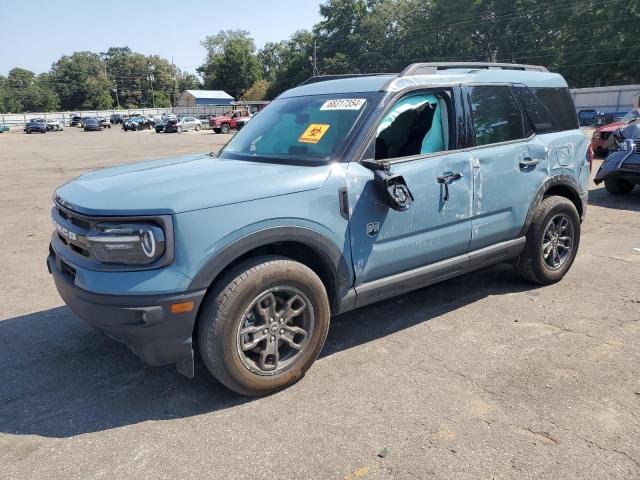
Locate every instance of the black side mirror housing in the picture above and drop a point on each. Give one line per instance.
(392, 187)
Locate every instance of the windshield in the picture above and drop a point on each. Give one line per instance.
(301, 128)
(630, 116)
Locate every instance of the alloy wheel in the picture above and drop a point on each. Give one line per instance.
(557, 241)
(275, 330)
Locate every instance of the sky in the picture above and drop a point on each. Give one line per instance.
(33, 35)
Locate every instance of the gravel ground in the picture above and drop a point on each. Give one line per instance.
(483, 376)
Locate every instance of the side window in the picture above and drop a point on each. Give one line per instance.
(417, 124)
(496, 116)
(550, 109)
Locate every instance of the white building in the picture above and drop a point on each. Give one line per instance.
(193, 98)
(617, 98)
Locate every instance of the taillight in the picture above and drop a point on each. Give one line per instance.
(590, 157)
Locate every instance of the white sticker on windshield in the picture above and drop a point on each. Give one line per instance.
(343, 104)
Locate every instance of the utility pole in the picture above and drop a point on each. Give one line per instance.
(115, 90)
(314, 58)
(153, 97)
(175, 84)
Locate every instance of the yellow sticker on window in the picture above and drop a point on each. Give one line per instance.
(314, 133)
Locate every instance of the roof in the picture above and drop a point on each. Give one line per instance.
(452, 76)
(209, 94)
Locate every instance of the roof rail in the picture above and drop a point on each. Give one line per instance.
(431, 68)
(326, 78)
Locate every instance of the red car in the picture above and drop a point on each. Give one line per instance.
(602, 134)
(228, 121)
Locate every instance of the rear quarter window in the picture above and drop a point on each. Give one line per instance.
(549, 109)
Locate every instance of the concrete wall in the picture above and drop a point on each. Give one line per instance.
(617, 98)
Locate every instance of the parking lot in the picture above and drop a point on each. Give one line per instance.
(483, 376)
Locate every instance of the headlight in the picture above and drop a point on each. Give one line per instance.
(626, 145)
(596, 135)
(126, 243)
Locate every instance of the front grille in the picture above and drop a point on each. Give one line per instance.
(631, 166)
(73, 219)
(81, 250)
(637, 147)
(74, 228)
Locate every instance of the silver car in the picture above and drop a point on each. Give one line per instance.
(188, 123)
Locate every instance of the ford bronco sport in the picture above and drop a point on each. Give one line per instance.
(344, 191)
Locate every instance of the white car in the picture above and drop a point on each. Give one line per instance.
(54, 125)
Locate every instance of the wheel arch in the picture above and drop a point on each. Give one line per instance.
(561, 185)
(297, 243)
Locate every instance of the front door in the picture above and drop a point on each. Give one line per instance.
(417, 141)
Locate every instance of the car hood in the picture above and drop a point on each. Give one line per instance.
(609, 127)
(180, 184)
(222, 118)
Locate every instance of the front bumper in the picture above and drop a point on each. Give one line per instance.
(144, 323)
(620, 164)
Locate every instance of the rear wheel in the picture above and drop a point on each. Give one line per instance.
(552, 241)
(263, 325)
(618, 186)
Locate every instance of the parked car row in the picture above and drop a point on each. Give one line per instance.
(166, 123)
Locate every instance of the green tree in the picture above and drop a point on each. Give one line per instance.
(231, 64)
(293, 66)
(258, 91)
(81, 81)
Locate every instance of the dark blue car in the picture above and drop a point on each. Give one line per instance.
(36, 125)
(620, 172)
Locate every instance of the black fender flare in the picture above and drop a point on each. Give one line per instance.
(326, 250)
(564, 180)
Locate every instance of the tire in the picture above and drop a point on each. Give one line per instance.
(234, 300)
(618, 186)
(225, 128)
(533, 265)
(197, 128)
(179, 130)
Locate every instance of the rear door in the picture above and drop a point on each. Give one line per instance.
(418, 140)
(509, 164)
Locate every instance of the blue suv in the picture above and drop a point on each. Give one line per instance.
(344, 191)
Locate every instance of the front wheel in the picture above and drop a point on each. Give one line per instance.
(197, 128)
(618, 186)
(263, 325)
(225, 128)
(179, 129)
(552, 241)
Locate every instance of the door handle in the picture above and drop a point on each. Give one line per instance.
(528, 162)
(445, 178)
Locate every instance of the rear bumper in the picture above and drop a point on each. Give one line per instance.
(143, 322)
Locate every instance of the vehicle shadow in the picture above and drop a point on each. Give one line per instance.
(59, 378)
(599, 197)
